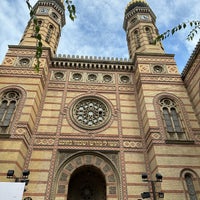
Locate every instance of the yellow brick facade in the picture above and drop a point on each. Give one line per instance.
(128, 135)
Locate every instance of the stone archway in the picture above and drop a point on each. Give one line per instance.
(72, 168)
(87, 183)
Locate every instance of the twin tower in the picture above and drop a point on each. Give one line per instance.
(139, 24)
(88, 127)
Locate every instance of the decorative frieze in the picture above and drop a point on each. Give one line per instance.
(172, 69)
(162, 78)
(91, 87)
(20, 72)
(9, 61)
(44, 142)
(132, 144)
(92, 77)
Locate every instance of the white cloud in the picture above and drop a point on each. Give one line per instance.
(98, 30)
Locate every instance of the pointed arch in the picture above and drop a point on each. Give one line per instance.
(93, 160)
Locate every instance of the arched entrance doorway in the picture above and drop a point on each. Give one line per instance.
(71, 169)
(87, 183)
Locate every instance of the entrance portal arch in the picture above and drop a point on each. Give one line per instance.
(86, 176)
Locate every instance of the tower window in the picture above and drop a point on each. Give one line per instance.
(137, 38)
(8, 104)
(49, 33)
(190, 186)
(39, 22)
(149, 35)
(172, 119)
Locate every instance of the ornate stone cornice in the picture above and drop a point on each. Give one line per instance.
(92, 63)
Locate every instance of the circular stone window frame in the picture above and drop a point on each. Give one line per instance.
(124, 79)
(59, 75)
(83, 129)
(158, 69)
(92, 77)
(19, 62)
(107, 78)
(53, 75)
(76, 76)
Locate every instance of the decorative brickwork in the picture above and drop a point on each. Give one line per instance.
(88, 127)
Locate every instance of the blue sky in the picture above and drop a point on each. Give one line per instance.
(98, 30)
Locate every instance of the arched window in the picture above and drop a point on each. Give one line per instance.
(190, 186)
(136, 38)
(49, 33)
(149, 35)
(39, 22)
(8, 103)
(172, 119)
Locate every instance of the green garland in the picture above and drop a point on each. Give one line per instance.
(195, 25)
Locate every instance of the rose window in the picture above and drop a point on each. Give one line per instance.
(90, 113)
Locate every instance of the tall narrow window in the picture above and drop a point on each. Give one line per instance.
(8, 104)
(39, 23)
(137, 39)
(49, 33)
(190, 186)
(149, 35)
(172, 119)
